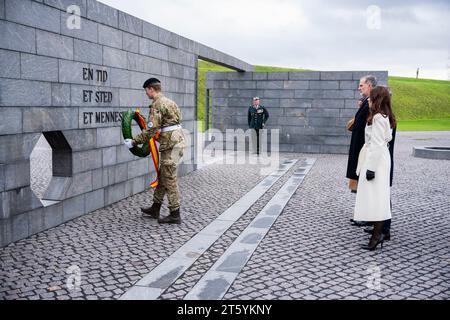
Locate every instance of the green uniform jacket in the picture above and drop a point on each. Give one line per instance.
(257, 117)
(163, 113)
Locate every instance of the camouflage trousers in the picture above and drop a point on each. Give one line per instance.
(168, 179)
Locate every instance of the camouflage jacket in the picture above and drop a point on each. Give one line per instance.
(163, 113)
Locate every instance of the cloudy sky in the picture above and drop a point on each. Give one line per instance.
(398, 36)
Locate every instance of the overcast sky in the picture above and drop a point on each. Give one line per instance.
(398, 36)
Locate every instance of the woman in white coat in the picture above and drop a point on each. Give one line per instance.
(374, 164)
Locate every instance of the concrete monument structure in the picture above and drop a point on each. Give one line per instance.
(71, 84)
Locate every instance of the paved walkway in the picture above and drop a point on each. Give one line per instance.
(247, 236)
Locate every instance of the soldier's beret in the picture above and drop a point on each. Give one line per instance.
(150, 82)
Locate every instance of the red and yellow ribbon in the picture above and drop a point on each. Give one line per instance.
(153, 149)
(155, 157)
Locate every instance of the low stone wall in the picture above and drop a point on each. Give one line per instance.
(310, 109)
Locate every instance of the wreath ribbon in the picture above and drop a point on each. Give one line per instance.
(153, 147)
(155, 158)
(148, 148)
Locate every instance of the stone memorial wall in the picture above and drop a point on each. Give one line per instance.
(310, 109)
(68, 72)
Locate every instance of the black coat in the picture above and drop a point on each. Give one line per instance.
(391, 151)
(358, 139)
(256, 118)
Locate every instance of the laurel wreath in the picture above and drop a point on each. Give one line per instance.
(127, 119)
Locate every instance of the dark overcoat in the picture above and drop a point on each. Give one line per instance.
(257, 117)
(357, 139)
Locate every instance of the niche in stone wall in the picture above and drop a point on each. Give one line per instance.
(50, 167)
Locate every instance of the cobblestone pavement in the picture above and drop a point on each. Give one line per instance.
(115, 246)
(311, 252)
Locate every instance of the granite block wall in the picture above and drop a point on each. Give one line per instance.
(72, 84)
(310, 109)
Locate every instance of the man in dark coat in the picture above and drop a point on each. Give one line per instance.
(387, 223)
(257, 118)
(357, 139)
(391, 151)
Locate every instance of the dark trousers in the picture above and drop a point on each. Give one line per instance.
(257, 141)
(386, 226)
(387, 223)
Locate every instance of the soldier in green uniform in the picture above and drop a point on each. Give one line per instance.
(164, 116)
(257, 118)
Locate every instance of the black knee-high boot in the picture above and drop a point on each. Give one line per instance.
(377, 236)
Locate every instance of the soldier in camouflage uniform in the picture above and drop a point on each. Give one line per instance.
(164, 116)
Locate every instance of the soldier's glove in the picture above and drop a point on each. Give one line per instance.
(128, 143)
(370, 175)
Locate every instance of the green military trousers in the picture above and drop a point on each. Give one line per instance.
(168, 179)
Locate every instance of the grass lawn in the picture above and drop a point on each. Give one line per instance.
(418, 99)
(424, 125)
(421, 104)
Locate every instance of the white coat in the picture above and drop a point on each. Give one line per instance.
(373, 197)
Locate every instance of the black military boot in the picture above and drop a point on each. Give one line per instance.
(152, 211)
(173, 217)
